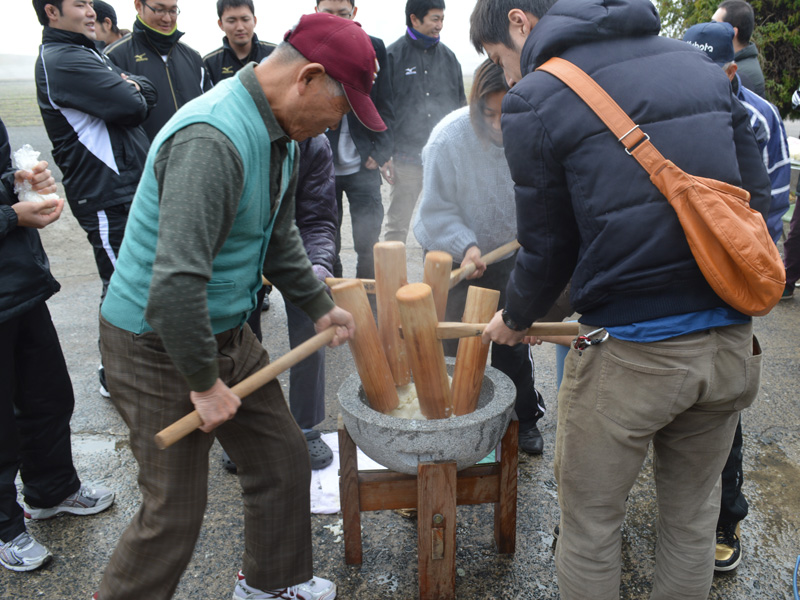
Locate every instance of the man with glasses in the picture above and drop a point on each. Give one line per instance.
(153, 49)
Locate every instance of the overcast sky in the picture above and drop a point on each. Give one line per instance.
(21, 33)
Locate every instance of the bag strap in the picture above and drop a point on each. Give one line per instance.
(637, 142)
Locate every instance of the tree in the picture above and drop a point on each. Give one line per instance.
(777, 35)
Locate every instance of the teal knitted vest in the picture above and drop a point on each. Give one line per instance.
(236, 276)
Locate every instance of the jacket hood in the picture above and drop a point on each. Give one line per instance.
(50, 35)
(575, 22)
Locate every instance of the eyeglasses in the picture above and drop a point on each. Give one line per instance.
(172, 12)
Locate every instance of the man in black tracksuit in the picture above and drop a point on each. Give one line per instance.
(427, 84)
(153, 50)
(240, 45)
(92, 112)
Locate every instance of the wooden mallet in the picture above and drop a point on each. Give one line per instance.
(365, 345)
(425, 352)
(472, 353)
(489, 258)
(451, 330)
(437, 275)
(183, 427)
(390, 276)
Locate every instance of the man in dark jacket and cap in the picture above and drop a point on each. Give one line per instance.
(740, 15)
(660, 359)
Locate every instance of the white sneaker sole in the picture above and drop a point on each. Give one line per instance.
(28, 566)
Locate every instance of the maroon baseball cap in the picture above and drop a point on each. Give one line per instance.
(346, 52)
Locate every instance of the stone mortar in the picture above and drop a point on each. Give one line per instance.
(401, 444)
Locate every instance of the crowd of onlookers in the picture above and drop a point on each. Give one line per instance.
(222, 193)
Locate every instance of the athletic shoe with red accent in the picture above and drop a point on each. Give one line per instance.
(315, 588)
(90, 499)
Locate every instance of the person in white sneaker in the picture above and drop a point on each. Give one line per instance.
(34, 411)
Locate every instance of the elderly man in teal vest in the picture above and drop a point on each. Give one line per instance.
(215, 209)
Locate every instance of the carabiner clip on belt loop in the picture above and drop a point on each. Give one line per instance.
(582, 342)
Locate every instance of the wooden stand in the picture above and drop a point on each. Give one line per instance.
(434, 492)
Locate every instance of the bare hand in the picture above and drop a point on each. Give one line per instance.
(371, 164)
(473, 255)
(40, 178)
(136, 85)
(216, 405)
(38, 214)
(337, 316)
(387, 170)
(497, 332)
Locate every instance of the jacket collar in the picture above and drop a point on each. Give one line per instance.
(575, 22)
(51, 35)
(162, 42)
(253, 49)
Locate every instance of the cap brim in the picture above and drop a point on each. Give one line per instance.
(364, 109)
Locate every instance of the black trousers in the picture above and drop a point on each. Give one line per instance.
(733, 505)
(104, 230)
(513, 361)
(363, 191)
(36, 403)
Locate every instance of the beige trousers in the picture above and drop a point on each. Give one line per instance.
(682, 395)
(405, 192)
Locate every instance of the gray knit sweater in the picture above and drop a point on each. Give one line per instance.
(467, 191)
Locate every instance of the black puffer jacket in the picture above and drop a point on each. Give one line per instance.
(180, 79)
(587, 210)
(315, 201)
(223, 62)
(92, 117)
(25, 278)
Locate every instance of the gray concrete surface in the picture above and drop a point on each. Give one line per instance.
(82, 545)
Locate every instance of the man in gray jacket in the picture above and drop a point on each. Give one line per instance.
(740, 14)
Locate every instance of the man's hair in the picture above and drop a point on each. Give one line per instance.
(223, 4)
(488, 79)
(488, 23)
(38, 6)
(286, 54)
(420, 8)
(351, 2)
(739, 14)
(105, 11)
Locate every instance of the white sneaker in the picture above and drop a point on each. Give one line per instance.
(315, 588)
(90, 499)
(23, 553)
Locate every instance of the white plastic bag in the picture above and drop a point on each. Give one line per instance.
(25, 159)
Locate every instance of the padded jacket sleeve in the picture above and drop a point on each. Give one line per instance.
(315, 201)
(755, 178)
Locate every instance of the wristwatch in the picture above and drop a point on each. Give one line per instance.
(511, 323)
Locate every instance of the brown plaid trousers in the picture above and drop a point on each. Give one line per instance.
(263, 440)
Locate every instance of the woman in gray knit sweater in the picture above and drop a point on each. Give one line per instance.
(468, 208)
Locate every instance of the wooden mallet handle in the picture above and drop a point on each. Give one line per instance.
(183, 427)
(489, 258)
(451, 330)
(369, 284)
(436, 273)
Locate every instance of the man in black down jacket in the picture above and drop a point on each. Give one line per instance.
(671, 363)
(37, 401)
(92, 113)
(153, 50)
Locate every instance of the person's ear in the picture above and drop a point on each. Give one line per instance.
(415, 22)
(219, 24)
(308, 76)
(355, 10)
(52, 12)
(731, 70)
(520, 22)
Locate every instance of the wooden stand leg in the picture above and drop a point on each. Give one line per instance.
(436, 522)
(349, 496)
(505, 509)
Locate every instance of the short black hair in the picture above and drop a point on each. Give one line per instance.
(223, 4)
(420, 8)
(38, 6)
(488, 23)
(740, 14)
(105, 11)
(352, 2)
